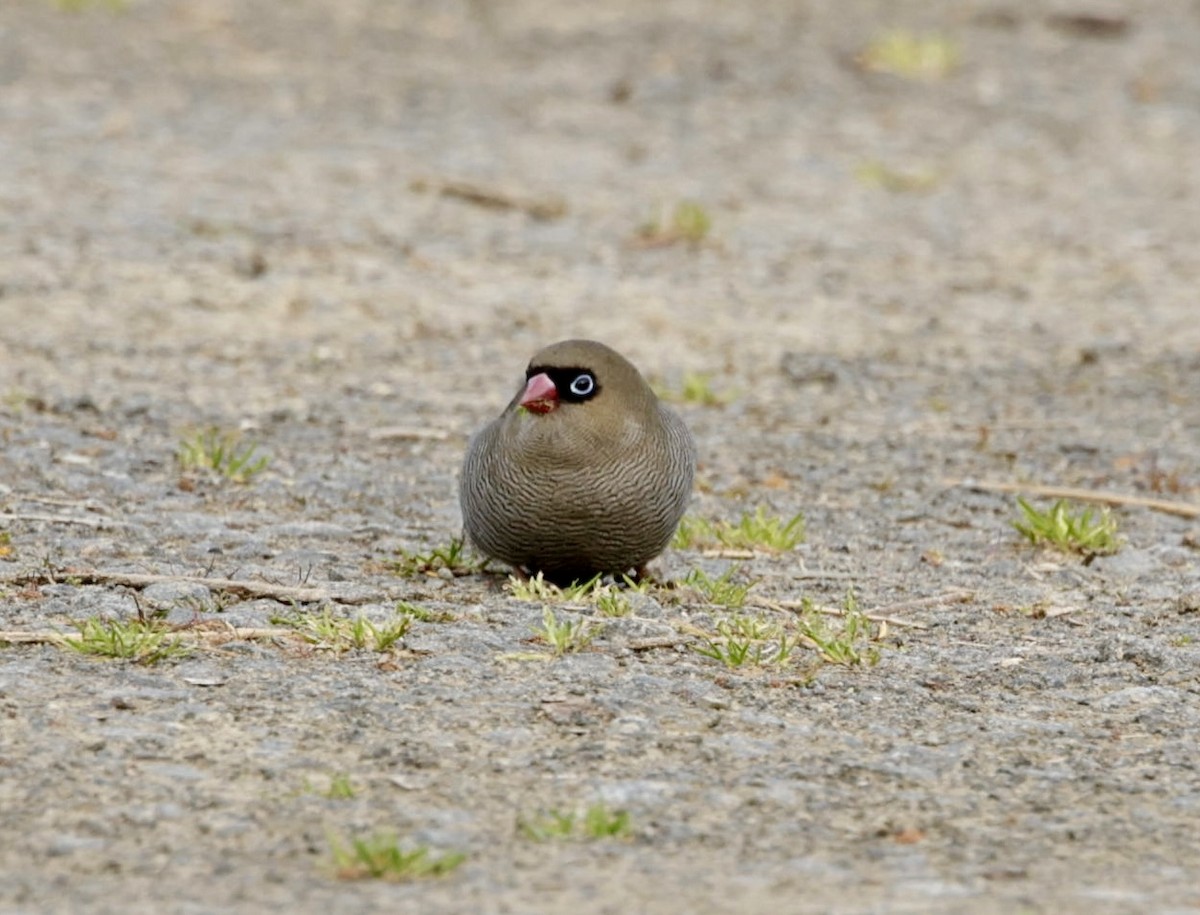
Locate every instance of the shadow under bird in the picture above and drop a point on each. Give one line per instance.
(584, 472)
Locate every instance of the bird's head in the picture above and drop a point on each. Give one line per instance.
(578, 373)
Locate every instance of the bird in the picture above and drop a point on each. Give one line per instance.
(584, 473)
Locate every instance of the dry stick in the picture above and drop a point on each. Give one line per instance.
(728, 554)
(834, 611)
(52, 636)
(247, 589)
(875, 618)
(63, 519)
(221, 629)
(1182, 509)
(751, 554)
(36, 637)
(53, 500)
(244, 589)
(956, 595)
(495, 198)
(651, 643)
(239, 632)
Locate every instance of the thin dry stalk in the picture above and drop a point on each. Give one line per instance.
(1103, 497)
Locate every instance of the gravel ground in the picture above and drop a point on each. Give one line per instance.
(252, 216)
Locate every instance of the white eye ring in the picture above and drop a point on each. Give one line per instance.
(583, 385)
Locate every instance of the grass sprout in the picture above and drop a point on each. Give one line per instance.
(722, 590)
(694, 388)
(609, 598)
(757, 531)
(450, 556)
(897, 181)
(741, 640)
(143, 642)
(537, 588)
(335, 633)
(565, 636)
(910, 55)
(612, 602)
(1087, 532)
(380, 857)
(596, 822)
(844, 639)
(221, 453)
(687, 222)
(340, 787)
(424, 614)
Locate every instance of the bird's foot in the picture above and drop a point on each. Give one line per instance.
(643, 576)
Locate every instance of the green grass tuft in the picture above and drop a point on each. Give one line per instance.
(757, 531)
(845, 639)
(1088, 532)
(380, 857)
(143, 642)
(335, 633)
(451, 556)
(609, 598)
(898, 181)
(911, 56)
(221, 453)
(687, 222)
(596, 822)
(741, 640)
(744, 640)
(565, 636)
(537, 588)
(424, 614)
(341, 788)
(694, 388)
(722, 590)
(612, 602)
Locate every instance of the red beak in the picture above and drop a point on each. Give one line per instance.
(540, 394)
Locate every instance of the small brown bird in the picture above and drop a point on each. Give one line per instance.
(584, 472)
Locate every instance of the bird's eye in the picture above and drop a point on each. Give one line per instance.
(583, 385)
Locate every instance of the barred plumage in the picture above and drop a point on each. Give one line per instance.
(578, 476)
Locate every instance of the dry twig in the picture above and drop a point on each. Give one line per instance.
(99, 523)
(220, 635)
(953, 596)
(244, 589)
(875, 616)
(494, 198)
(1182, 509)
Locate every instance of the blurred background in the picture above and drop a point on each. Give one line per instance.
(383, 185)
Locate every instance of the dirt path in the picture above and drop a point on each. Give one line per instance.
(343, 228)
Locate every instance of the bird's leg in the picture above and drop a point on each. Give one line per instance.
(643, 575)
